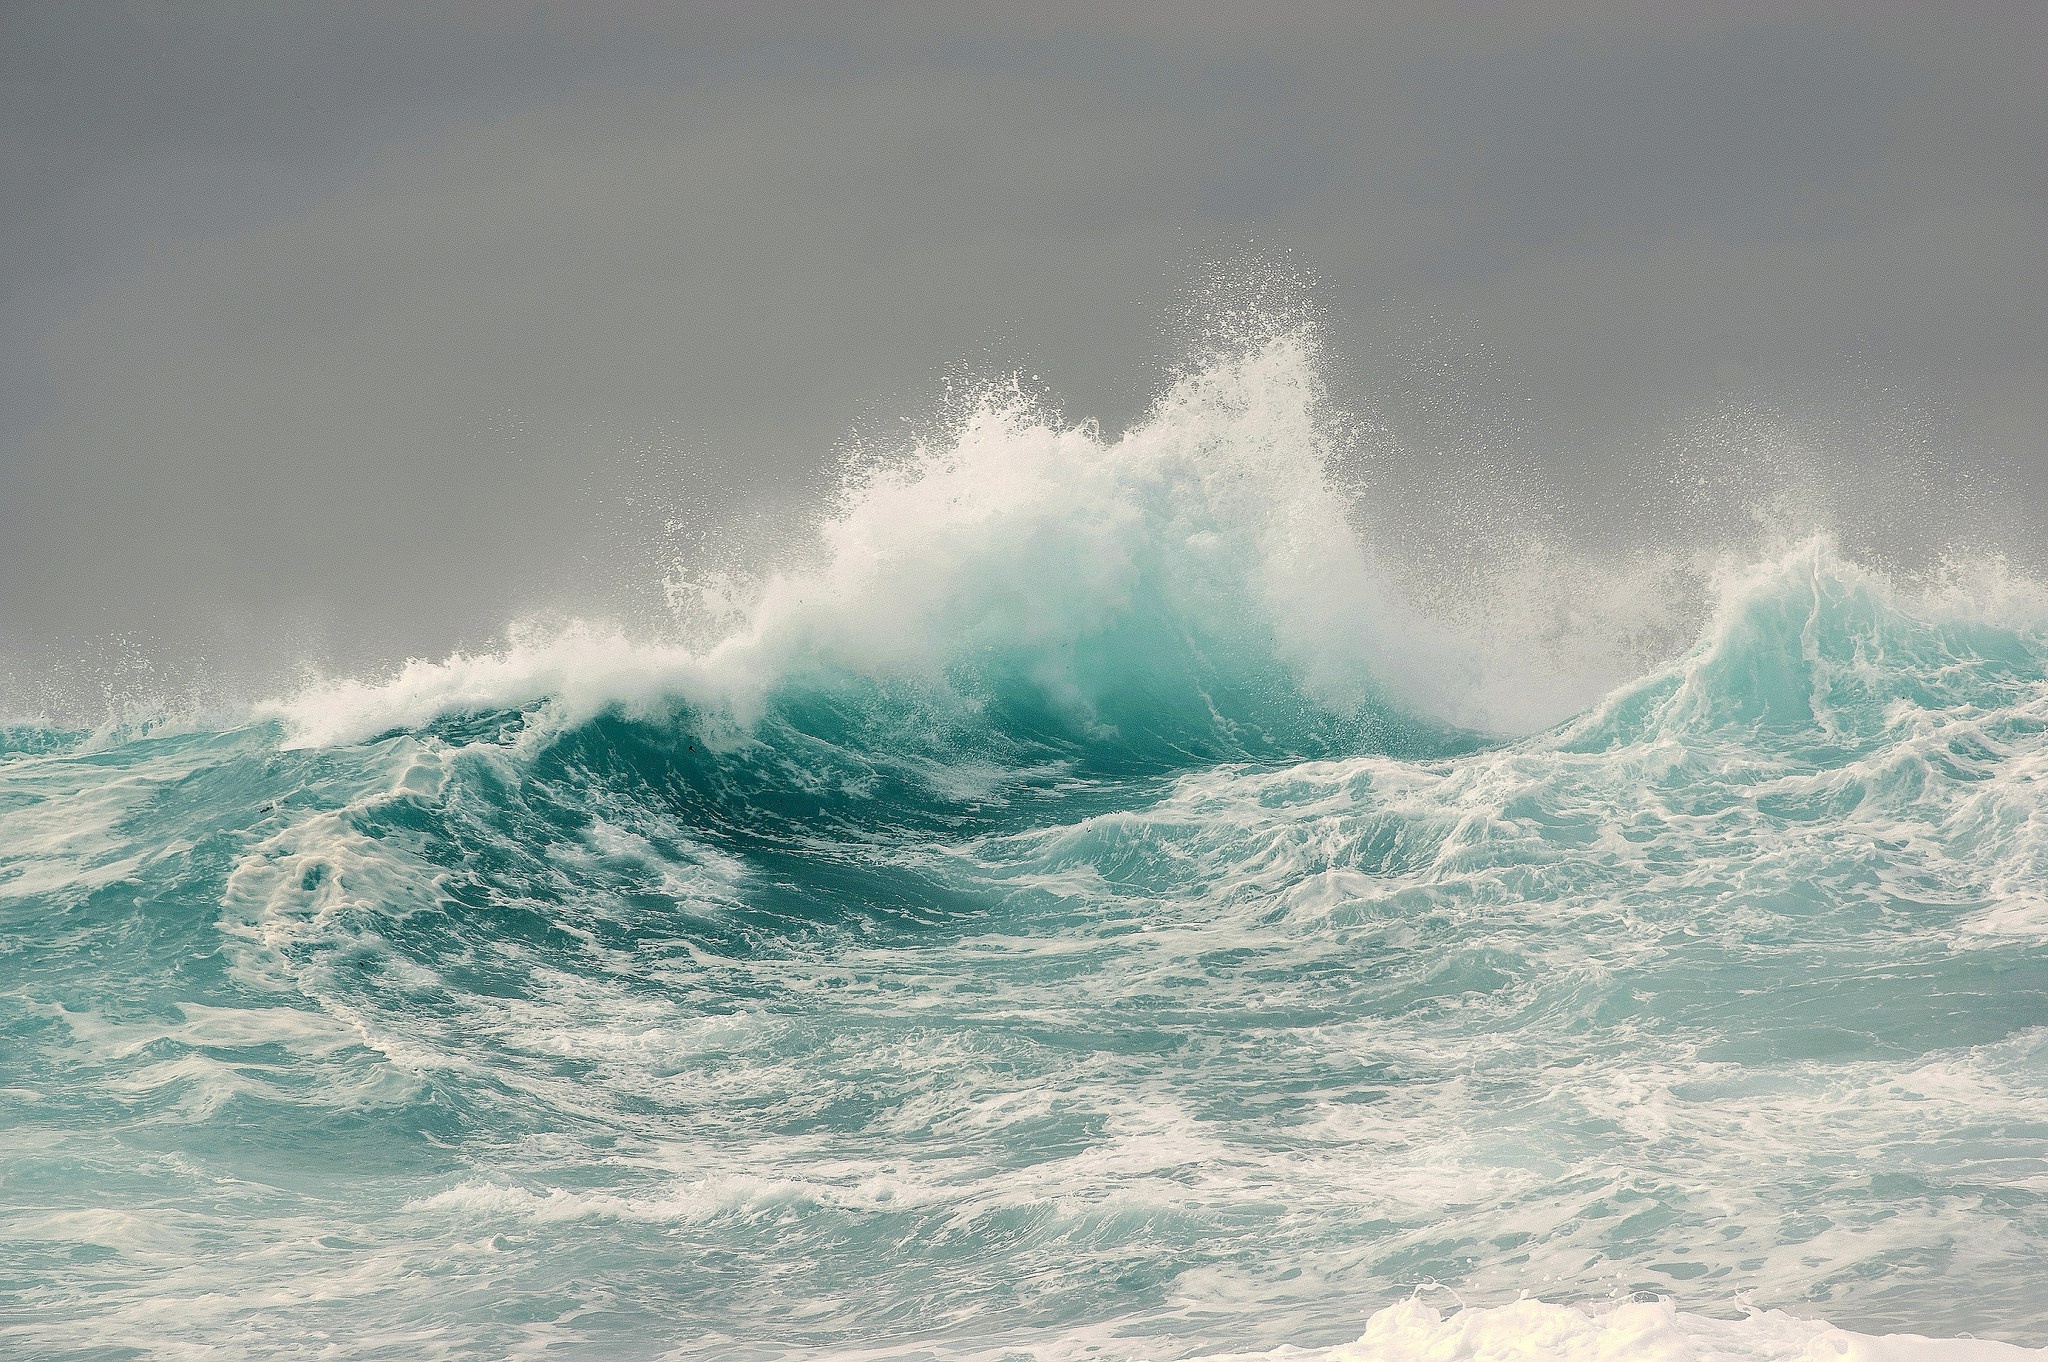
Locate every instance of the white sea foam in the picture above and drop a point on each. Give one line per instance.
(1725, 991)
(1025, 537)
(1645, 1331)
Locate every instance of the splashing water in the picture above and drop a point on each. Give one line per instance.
(1082, 913)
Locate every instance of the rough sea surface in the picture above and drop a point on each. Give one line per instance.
(1073, 916)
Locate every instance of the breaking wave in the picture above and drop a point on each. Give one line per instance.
(1082, 910)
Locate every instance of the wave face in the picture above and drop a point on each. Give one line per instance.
(1071, 916)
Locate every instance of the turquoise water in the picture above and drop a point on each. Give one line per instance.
(1072, 916)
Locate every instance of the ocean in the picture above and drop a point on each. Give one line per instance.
(1077, 910)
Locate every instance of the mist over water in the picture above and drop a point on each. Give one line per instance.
(1098, 899)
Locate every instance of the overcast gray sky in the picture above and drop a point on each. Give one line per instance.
(354, 329)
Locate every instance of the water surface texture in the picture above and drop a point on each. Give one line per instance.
(1068, 918)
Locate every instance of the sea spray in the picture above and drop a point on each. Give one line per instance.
(1074, 913)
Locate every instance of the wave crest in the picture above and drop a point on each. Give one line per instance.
(1811, 652)
(1197, 577)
